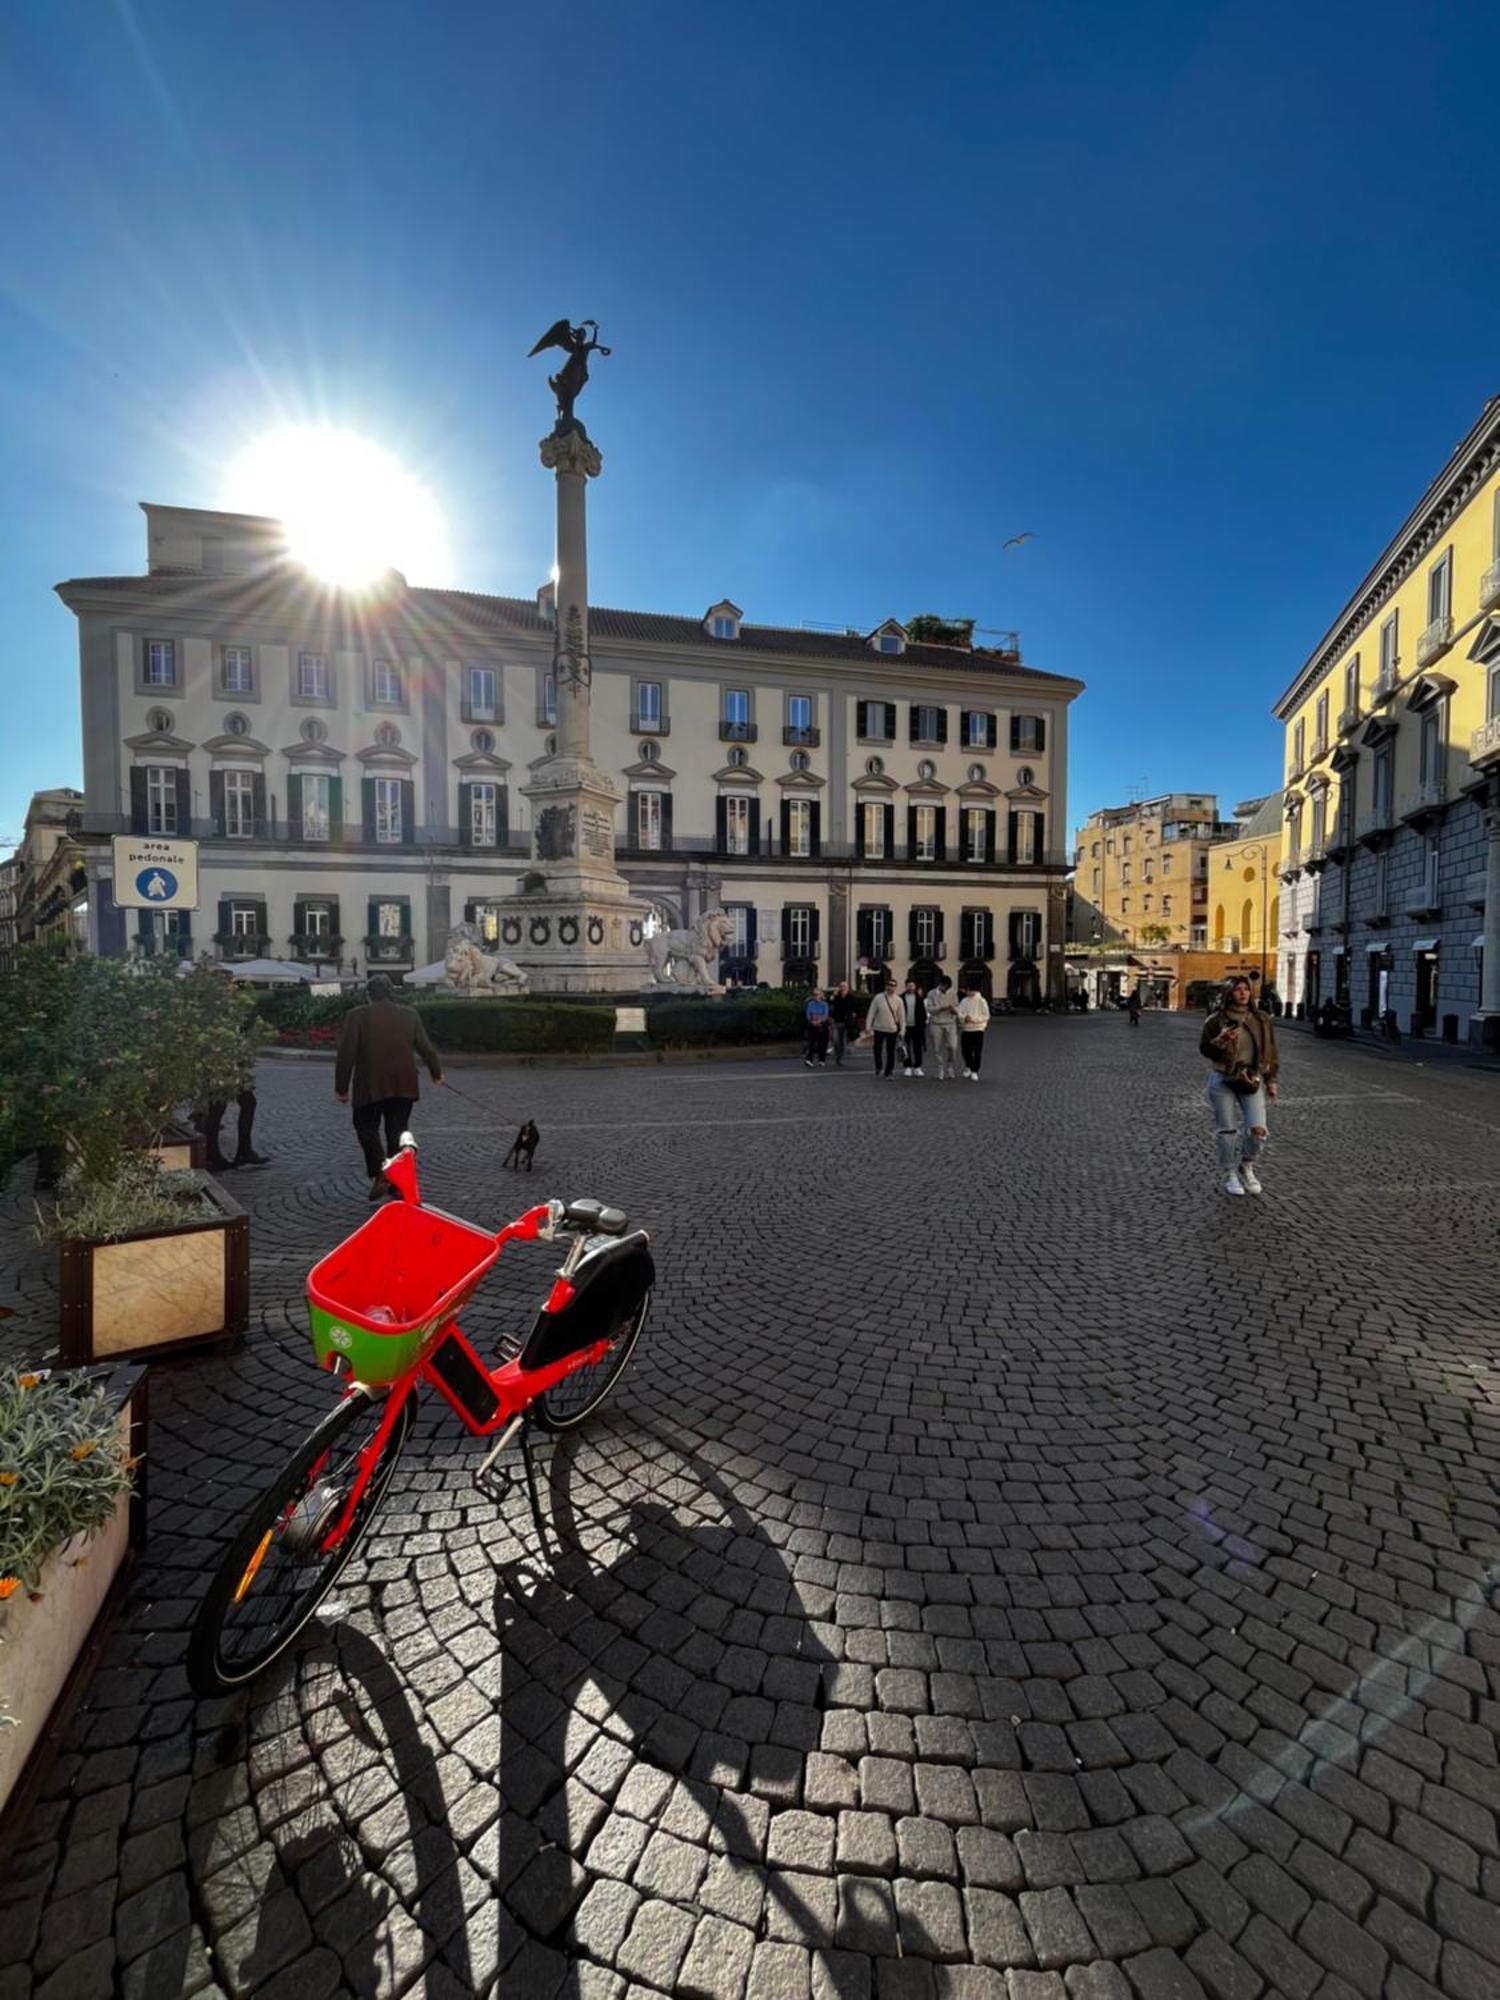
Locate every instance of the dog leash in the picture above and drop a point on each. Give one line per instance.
(446, 1085)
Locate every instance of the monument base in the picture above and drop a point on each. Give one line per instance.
(576, 941)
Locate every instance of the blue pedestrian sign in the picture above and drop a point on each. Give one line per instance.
(154, 872)
(157, 885)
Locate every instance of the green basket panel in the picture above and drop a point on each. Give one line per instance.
(372, 1357)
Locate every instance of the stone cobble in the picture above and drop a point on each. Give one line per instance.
(1009, 1571)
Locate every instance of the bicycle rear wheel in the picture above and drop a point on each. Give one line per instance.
(274, 1574)
(578, 1395)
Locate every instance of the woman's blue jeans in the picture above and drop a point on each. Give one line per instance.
(1235, 1120)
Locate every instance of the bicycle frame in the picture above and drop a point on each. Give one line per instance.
(513, 1387)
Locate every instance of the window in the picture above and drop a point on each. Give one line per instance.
(801, 761)
(1440, 588)
(799, 711)
(484, 695)
(1492, 703)
(739, 758)
(799, 929)
(1028, 732)
(888, 643)
(927, 723)
(161, 663)
(799, 826)
(737, 707)
(1026, 933)
(723, 628)
(872, 818)
(1351, 687)
(317, 806)
(388, 811)
(737, 824)
(1094, 851)
(1430, 747)
(1389, 658)
(1320, 742)
(484, 815)
(1381, 792)
(1126, 843)
(926, 831)
(1146, 871)
(314, 683)
(648, 821)
(244, 920)
(925, 926)
(549, 698)
(875, 721)
(1125, 873)
(648, 705)
(1299, 738)
(875, 924)
(386, 686)
(1145, 902)
(236, 670)
(1166, 864)
(1026, 840)
(161, 799)
(976, 829)
(737, 945)
(316, 920)
(239, 805)
(1166, 906)
(978, 730)
(1124, 904)
(389, 920)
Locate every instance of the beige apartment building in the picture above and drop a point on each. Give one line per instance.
(43, 884)
(1141, 872)
(352, 766)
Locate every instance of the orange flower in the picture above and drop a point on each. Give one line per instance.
(30, 1381)
(9, 1478)
(9, 1585)
(84, 1450)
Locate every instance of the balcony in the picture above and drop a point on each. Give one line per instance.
(1474, 890)
(243, 944)
(314, 949)
(1435, 641)
(1427, 797)
(1484, 744)
(738, 732)
(1348, 719)
(1421, 899)
(1489, 587)
(1386, 682)
(1373, 823)
(807, 737)
(388, 950)
(1320, 748)
(650, 725)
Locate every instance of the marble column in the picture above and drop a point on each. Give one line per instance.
(1484, 1027)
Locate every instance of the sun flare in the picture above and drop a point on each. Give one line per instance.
(351, 510)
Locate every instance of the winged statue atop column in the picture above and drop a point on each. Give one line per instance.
(578, 343)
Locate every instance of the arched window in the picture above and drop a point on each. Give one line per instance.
(1247, 922)
(1219, 925)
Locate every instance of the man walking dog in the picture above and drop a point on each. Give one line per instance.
(378, 1052)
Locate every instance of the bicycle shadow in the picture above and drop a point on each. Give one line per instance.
(662, 1689)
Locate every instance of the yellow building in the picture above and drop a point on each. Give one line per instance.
(1244, 885)
(1391, 859)
(1141, 871)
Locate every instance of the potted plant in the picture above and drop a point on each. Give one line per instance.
(72, 1510)
(97, 1058)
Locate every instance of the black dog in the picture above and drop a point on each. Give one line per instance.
(523, 1152)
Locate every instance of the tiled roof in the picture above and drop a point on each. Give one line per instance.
(520, 615)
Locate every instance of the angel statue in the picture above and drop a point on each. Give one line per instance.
(567, 384)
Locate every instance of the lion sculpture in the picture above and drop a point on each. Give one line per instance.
(469, 968)
(668, 952)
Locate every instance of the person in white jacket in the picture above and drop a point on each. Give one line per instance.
(886, 1021)
(942, 1028)
(973, 1019)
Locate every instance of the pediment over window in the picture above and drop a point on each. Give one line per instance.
(927, 788)
(1292, 805)
(383, 754)
(646, 772)
(876, 785)
(801, 781)
(1027, 795)
(162, 740)
(1318, 782)
(1426, 690)
(481, 760)
(978, 788)
(738, 774)
(1376, 732)
(1345, 758)
(1486, 644)
(313, 753)
(237, 746)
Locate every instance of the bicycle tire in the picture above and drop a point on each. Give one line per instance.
(212, 1670)
(553, 1411)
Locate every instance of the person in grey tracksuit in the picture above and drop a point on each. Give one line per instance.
(942, 1028)
(886, 1021)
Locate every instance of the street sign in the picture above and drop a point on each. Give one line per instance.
(153, 873)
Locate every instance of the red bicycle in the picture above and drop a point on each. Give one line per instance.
(383, 1308)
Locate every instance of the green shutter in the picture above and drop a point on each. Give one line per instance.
(335, 809)
(294, 806)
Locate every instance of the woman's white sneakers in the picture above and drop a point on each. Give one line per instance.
(1233, 1184)
(1245, 1181)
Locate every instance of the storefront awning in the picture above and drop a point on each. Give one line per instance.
(1477, 943)
(1425, 944)
(1383, 945)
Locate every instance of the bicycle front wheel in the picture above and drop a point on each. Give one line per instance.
(275, 1573)
(578, 1395)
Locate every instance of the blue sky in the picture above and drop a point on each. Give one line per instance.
(1199, 295)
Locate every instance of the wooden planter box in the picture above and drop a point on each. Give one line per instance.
(158, 1292)
(51, 1641)
(180, 1148)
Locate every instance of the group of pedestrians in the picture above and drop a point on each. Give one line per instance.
(901, 1020)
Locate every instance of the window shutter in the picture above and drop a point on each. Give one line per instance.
(911, 833)
(335, 809)
(966, 934)
(911, 932)
(1013, 821)
(890, 831)
(989, 838)
(755, 826)
(862, 718)
(752, 940)
(137, 798)
(942, 722)
(913, 723)
(294, 806)
(815, 815)
(184, 782)
(405, 908)
(1040, 820)
(466, 820)
(333, 916)
(721, 824)
(941, 833)
(367, 790)
(862, 928)
(786, 826)
(502, 815)
(890, 722)
(1041, 732)
(223, 916)
(1015, 934)
(372, 913)
(257, 804)
(859, 828)
(1015, 732)
(471, 909)
(786, 929)
(815, 928)
(987, 934)
(991, 732)
(666, 822)
(408, 813)
(216, 801)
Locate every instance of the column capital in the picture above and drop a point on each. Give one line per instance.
(571, 451)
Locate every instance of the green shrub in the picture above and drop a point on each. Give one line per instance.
(139, 1194)
(762, 1017)
(63, 1467)
(519, 1027)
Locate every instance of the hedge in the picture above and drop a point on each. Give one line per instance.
(521, 1027)
(765, 1017)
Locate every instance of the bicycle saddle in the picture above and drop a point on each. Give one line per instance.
(596, 1217)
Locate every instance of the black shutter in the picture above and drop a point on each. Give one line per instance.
(216, 801)
(991, 732)
(863, 926)
(405, 908)
(786, 929)
(223, 917)
(408, 813)
(1015, 934)
(890, 831)
(940, 843)
(502, 815)
(815, 927)
(367, 789)
(138, 798)
(666, 822)
(816, 830)
(966, 935)
(1040, 725)
(755, 826)
(372, 913)
(914, 723)
(911, 833)
(911, 931)
(1013, 821)
(989, 838)
(258, 804)
(294, 806)
(466, 819)
(862, 718)
(184, 783)
(471, 909)
(859, 828)
(786, 826)
(1015, 732)
(987, 934)
(333, 917)
(1039, 845)
(721, 824)
(752, 939)
(335, 810)
(942, 722)
(890, 722)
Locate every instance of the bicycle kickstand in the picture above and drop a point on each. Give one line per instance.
(487, 1481)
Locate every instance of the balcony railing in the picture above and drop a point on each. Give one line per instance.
(1422, 896)
(1484, 744)
(1489, 587)
(737, 732)
(1386, 683)
(1435, 641)
(388, 950)
(243, 944)
(1431, 792)
(1348, 719)
(1377, 820)
(808, 737)
(315, 947)
(1320, 747)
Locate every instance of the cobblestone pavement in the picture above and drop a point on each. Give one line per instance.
(1010, 1567)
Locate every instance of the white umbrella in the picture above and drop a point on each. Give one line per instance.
(428, 975)
(268, 971)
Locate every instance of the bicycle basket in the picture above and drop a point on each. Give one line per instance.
(381, 1298)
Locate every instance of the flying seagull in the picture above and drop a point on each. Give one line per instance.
(1015, 541)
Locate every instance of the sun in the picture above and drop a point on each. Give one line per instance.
(351, 510)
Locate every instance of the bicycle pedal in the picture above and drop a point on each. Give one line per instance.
(485, 1475)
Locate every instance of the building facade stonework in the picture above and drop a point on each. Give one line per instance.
(355, 768)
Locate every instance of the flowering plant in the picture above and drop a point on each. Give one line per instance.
(63, 1466)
